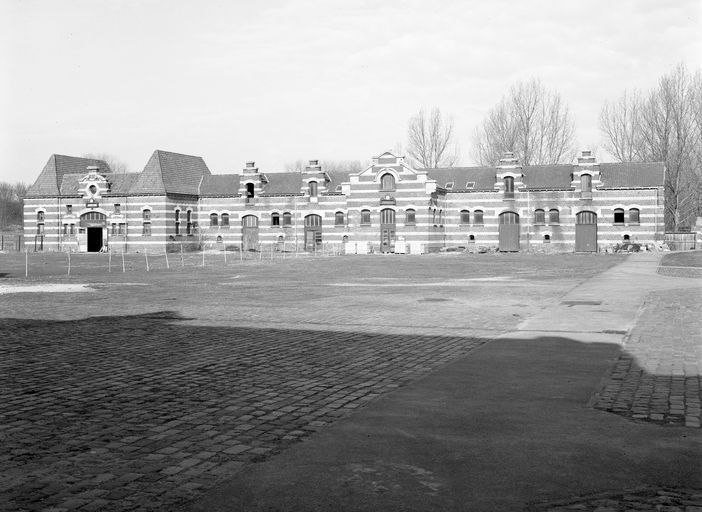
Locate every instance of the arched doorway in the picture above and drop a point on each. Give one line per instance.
(249, 233)
(387, 229)
(509, 232)
(586, 232)
(93, 226)
(313, 232)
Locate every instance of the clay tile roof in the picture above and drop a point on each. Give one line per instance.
(484, 177)
(171, 173)
(632, 174)
(556, 176)
(50, 179)
(280, 183)
(336, 178)
(220, 185)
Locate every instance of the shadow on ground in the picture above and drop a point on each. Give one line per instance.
(115, 413)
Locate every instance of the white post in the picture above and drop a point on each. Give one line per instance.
(182, 261)
(225, 254)
(123, 268)
(109, 258)
(26, 263)
(203, 255)
(165, 251)
(146, 255)
(260, 251)
(69, 263)
(241, 251)
(272, 250)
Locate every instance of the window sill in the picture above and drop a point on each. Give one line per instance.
(365, 225)
(617, 224)
(634, 224)
(339, 225)
(539, 223)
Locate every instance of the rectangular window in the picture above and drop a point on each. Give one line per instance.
(146, 231)
(275, 219)
(120, 228)
(177, 229)
(69, 209)
(118, 209)
(40, 229)
(287, 219)
(554, 216)
(114, 229)
(65, 229)
(146, 214)
(40, 216)
(189, 228)
(72, 229)
(365, 217)
(177, 215)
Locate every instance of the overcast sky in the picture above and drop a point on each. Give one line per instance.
(278, 81)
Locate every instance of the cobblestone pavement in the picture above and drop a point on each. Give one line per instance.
(658, 376)
(635, 500)
(139, 412)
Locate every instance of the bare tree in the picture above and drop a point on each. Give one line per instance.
(11, 196)
(430, 140)
(116, 165)
(299, 165)
(532, 122)
(663, 125)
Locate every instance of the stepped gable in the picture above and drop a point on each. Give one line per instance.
(220, 185)
(282, 183)
(632, 174)
(484, 177)
(171, 173)
(51, 178)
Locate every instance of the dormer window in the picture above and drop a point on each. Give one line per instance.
(509, 186)
(387, 182)
(449, 185)
(249, 191)
(585, 183)
(312, 188)
(470, 185)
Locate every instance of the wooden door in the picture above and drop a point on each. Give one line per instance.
(586, 232)
(509, 232)
(387, 230)
(249, 233)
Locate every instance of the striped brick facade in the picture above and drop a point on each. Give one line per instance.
(78, 205)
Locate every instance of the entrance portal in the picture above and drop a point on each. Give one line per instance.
(586, 232)
(509, 232)
(313, 232)
(94, 239)
(387, 230)
(249, 233)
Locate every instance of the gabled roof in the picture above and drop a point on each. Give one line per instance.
(280, 183)
(51, 177)
(220, 185)
(484, 177)
(631, 174)
(557, 176)
(171, 173)
(120, 184)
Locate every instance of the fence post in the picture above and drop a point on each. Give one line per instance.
(241, 251)
(146, 255)
(272, 252)
(123, 269)
(26, 263)
(203, 255)
(69, 263)
(165, 251)
(225, 254)
(182, 261)
(109, 258)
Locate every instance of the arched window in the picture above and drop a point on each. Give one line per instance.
(410, 216)
(214, 219)
(465, 217)
(586, 218)
(312, 187)
(177, 222)
(313, 221)
(554, 216)
(633, 216)
(41, 216)
(478, 217)
(539, 217)
(275, 219)
(249, 221)
(339, 219)
(626, 238)
(345, 239)
(509, 218)
(387, 216)
(547, 238)
(225, 219)
(387, 182)
(471, 238)
(585, 183)
(287, 219)
(146, 214)
(619, 216)
(189, 222)
(509, 186)
(365, 217)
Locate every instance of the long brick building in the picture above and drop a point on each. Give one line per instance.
(78, 204)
